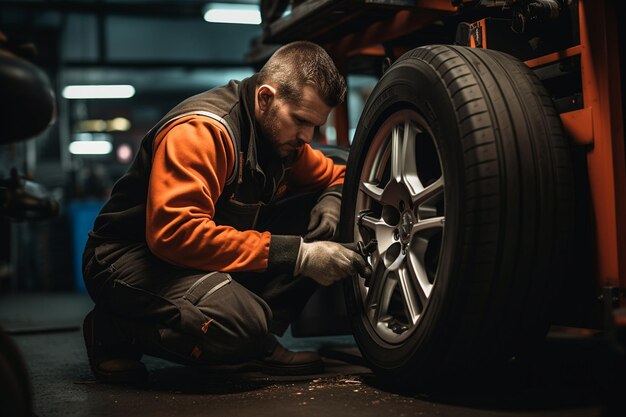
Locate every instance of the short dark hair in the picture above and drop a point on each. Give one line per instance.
(302, 63)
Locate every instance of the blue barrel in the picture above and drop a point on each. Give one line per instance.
(82, 214)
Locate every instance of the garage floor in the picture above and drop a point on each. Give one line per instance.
(570, 379)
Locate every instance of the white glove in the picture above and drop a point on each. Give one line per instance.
(327, 262)
(324, 218)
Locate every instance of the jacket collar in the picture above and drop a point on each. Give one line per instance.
(260, 152)
(248, 120)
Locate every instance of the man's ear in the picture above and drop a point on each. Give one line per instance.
(265, 94)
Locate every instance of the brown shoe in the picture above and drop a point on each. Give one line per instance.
(112, 358)
(285, 362)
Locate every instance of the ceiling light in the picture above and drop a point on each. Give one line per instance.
(92, 125)
(93, 147)
(98, 91)
(119, 124)
(245, 14)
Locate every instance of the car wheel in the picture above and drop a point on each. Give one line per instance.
(460, 182)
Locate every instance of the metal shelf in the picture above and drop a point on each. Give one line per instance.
(345, 27)
(323, 21)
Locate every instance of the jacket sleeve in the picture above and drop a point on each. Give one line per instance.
(312, 171)
(192, 159)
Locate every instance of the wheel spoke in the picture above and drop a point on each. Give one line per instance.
(372, 190)
(371, 222)
(427, 193)
(373, 300)
(409, 166)
(396, 154)
(381, 288)
(396, 263)
(419, 245)
(433, 225)
(415, 266)
(408, 293)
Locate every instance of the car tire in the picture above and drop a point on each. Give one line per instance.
(461, 175)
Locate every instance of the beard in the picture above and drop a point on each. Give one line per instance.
(270, 129)
(269, 123)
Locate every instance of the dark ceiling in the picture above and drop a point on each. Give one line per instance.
(154, 45)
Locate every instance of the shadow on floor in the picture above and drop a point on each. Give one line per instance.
(566, 374)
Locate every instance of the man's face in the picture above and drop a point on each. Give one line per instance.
(290, 125)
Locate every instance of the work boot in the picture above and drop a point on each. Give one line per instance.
(281, 361)
(112, 356)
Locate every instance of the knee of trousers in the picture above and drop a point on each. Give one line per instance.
(233, 322)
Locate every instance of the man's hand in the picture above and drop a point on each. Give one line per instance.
(324, 218)
(327, 262)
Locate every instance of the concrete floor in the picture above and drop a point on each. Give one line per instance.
(567, 382)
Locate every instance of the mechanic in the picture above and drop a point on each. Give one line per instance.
(197, 257)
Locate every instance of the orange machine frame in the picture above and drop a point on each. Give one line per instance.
(606, 168)
(600, 126)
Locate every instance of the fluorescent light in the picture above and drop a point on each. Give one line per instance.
(98, 91)
(245, 14)
(119, 124)
(94, 147)
(92, 125)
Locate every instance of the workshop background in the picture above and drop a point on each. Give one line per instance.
(151, 55)
(162, 52)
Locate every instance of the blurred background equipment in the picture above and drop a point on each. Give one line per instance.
(30, 108)
(28, 104)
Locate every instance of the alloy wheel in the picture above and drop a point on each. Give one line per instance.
(401, 209)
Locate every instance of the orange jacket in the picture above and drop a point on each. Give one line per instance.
(192, 159)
